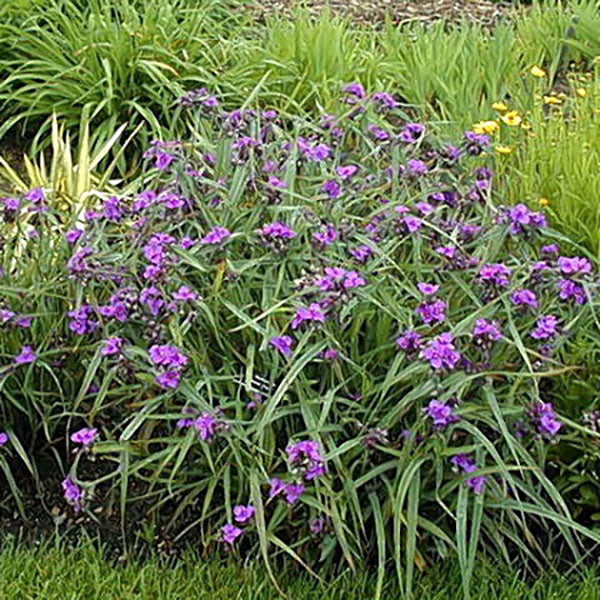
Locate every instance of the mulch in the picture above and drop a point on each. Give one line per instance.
(375, 12)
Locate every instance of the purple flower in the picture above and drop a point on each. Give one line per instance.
(277, 230)
(26, 356)
(162, 160)
(545, 419)
(168, 356)
(332, 188)
(293, 492)
(546, 327)
(574, 265)
(73, 494)
(187, 242)
(36, 195)
(313, 314)
(468, 465)
(327, 237)
(486, 331)
(320, 152)
(112, 346)
(347, 171)
(353, 279)
(476, 142)
(81, 320)
(216, 235)
(417, 167)
(428, 288)
(377, 132)
(277, 183)
(317, 526)
(6, 315)
(521, 218)
(410, 341)
(550, 250)
(113, 209)
(362, 253)
(86, 436)
(495, 274)
(477, 483)
(206, 426)
(230, 533)
(246, 142)
(307, 457)
(330, 354)
(283, 343)
(433, 312)
(441, 352)
(570, 290)
(169, 379)
(440, 413)
(525, 298)
(424, 208)
(73, 235)
(385, 100)
(447, 251)
(464, 462)
(277, 486)
(412, 132)
(23, 322)
(243, 514)
(3, 439)
(152, 298)
(185, 294)
(78, 263)
(412, 224)
(355, 89)
(11, 204)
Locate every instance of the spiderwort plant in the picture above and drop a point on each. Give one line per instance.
(304, 323)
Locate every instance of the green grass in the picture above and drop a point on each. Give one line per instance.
(51, 573)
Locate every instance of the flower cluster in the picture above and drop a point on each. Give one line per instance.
(350, 280)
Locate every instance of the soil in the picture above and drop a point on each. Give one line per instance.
(375, 12)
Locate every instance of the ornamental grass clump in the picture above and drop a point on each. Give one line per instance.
(302, 337)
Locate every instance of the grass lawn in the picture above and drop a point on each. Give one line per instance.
(52, 574)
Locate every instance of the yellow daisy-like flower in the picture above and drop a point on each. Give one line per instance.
(581, 92)
(537, 72)
(525, 125)
(486, 127)
(512, 118)
(552, 100)
(544, 202)
(500, 106)
(504, 149)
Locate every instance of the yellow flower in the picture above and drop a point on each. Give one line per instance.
(512, 118)
(525, 125)
(537, 72)
(499, 106)
(552, 100)
(544, 201)
(581, 92)
(486, 127)
(504, 149)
